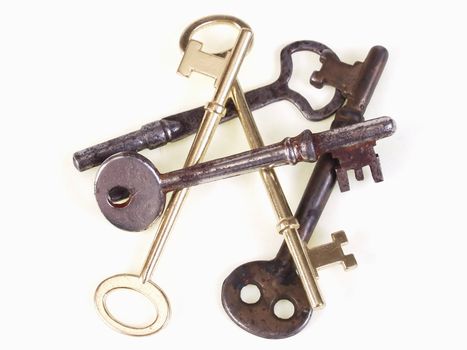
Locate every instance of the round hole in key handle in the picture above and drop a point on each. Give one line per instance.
(119, 197)
(281, 85)
(284, 309)
(250, 293)
(135, 283)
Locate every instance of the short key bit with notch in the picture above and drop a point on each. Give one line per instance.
(180, 125)
(276, 278)
(131, 192)
(214, 110)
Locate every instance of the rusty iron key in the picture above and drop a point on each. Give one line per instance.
(226, 71)
(276, 279)
(181, 125)
(131, 192)
(356, 82)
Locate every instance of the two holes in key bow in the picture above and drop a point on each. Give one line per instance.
(283, 308)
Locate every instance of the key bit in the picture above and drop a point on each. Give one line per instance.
(355, 158)
(331, 253)
(197, 60)
(357, 83)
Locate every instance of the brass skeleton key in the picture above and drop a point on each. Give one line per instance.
(214, 111)
(357, 83)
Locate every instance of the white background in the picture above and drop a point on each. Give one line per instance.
(74, 73)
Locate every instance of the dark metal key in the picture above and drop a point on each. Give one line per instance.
(131, 192)
(357, 83)
(178, 126)
(276, 279)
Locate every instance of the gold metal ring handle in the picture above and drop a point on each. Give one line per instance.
(209, 21)
(147, 289)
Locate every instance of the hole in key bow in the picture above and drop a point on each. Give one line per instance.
(284, 309)
(304, 64)
(250, 294)
(131, 307)
(119, 196)
(209, 36)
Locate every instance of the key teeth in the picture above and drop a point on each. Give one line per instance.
(342, 180)
(375, 168)
(349, 262)
(339, 237)
(184, 68)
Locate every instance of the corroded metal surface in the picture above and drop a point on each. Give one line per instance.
(180, 125)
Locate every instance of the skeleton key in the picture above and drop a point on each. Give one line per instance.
(276, 278)
(214, 111)
(357, 83)
(131, 192)
(178, 126)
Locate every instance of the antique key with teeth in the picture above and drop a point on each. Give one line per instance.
(356, 82)
(131, 192)
(276, 279)
(228, 68)
(181, 125)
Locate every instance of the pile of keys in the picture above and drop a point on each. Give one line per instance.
(130, 191)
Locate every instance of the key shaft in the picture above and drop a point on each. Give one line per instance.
(304, 147)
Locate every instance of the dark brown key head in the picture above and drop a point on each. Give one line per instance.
(357, 83)
(276, 282)
(128, 191)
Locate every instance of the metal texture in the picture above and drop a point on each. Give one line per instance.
(181, 125)
(287, 225)
(277, 278)
(144, 187)
(213, 113)
(357, 83)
